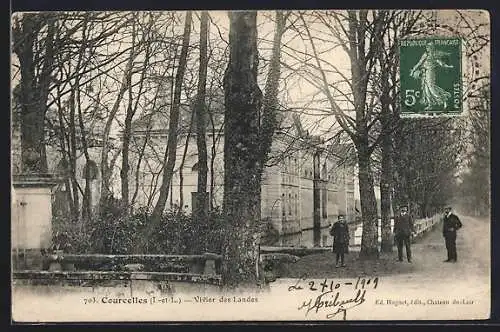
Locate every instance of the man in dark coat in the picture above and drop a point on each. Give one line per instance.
(451, 223)
(340, 233)
(403, 229)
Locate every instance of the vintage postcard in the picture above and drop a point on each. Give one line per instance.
(312, 165)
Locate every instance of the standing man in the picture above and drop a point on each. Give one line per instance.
(403, 228)
(451, 223)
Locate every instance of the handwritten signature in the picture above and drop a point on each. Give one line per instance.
(333, 300)
(334, 297)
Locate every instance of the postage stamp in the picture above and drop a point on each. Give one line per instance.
(431, 76)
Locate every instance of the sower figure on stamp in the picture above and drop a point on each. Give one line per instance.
(403, 229)
(340, 233)
(451, 223)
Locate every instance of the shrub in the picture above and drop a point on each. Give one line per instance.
(116, 231)
(178, 233)
(69, 236)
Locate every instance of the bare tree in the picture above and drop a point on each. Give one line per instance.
(249, 126)
(183, 160)
(131, 111)
(43, 42)
(475, 188)
(241, 151)
(358, 33)
(404, 23)
(171, 149)
(36, 59)
(126, 81)
(270, 105)
(201, 201)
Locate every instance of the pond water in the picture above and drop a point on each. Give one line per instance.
(306, 239)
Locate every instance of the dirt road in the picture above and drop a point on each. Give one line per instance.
(473, 246)
(427, 288)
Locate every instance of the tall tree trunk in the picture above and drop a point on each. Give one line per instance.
(183, 161)
(270, 102)
(216, 136)
(138, 170)
(201, 116)
(369, 236)
(34, 88)
(212, 170)
(360, 76)
(201, 203)
(72, 154)
(386, 162)
(131, 110)
(106, 168)
(241, 152)
(141, 156)
(171, 150)
(125, 151)
(316, 200)
(386, 188)
(76, 106)
(66, 156)
(87, 195)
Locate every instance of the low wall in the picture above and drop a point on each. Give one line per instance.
(162, 273)
(294, 251)
(422, 226)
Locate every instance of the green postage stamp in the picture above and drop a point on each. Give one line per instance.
(431, 76)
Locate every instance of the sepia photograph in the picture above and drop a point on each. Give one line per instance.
(251, 165)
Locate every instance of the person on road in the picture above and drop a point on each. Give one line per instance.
(451, 223)
(403, 229)
(340, 233)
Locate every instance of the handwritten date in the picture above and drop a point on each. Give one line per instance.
(359, 283)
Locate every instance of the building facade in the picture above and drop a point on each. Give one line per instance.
(304, 186)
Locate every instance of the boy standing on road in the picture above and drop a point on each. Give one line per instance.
(340, 233)
(451, 223)
(403, 228)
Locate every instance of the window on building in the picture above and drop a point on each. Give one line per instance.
(289, 204)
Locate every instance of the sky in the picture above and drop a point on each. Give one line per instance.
(299, 93)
